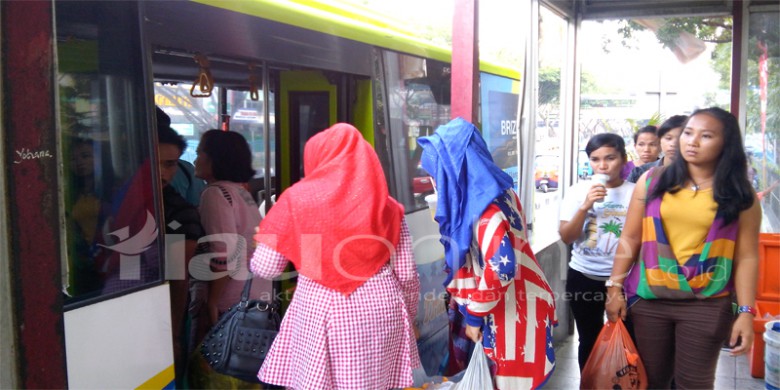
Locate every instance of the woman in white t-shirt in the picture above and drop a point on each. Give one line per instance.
(592, 218)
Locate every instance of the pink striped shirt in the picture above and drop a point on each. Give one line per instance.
(229, 219)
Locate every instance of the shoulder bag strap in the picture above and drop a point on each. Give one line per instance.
(248, 284)
(247, 288)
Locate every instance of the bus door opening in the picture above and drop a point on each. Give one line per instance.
(308, 106)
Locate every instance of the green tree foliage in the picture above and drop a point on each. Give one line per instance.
(709, 29)
(550, 93)
(654, 120)
(549, 85)
(764, 28)
(549, 96)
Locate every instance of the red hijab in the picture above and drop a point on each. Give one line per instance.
(338, 225)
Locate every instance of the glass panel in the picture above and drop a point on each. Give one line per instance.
(548, 160)
(246, 117)
(111, 234)
(381, 135)
(418, 102)
(309, 114)
(763, 113)
(190, 117)
(640, 72)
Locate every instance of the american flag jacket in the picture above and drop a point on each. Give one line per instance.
(502, 289)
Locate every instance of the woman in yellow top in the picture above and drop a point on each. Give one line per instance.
(691, 236)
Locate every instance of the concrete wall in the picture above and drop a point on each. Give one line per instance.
(554, 260)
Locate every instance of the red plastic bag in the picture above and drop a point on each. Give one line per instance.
(614, 362)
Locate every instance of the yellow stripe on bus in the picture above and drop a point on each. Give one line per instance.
(345, 21)
(160, 381)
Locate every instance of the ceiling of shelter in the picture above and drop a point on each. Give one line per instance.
(760, 3)
(614, 9)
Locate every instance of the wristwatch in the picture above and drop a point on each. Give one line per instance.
(612, 283)
(747, 309)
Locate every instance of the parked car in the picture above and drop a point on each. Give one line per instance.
(546, 171)
(422, 184)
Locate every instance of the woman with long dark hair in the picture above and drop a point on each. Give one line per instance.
(229, 215)
(691, 236)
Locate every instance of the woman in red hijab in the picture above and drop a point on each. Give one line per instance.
(349, 325)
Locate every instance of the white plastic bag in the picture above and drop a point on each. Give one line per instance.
(477, 376)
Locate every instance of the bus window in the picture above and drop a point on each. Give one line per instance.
(111, 235)
(418, 93)
(190, 117)
(247, 118)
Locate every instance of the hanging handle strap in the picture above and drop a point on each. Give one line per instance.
(254, 93)
(204, 82)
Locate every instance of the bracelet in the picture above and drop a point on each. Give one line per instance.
(612, 283)
(747, 309)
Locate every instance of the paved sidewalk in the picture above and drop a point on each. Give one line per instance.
(733, 372)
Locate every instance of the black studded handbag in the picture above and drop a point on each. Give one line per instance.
(239, 341)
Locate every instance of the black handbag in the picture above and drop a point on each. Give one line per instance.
(237, 344)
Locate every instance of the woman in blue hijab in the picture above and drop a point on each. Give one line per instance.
(492, 273)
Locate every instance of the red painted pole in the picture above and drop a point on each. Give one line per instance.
(465, 60)
(33, 215)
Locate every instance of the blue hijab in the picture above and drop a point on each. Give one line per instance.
(467, 181)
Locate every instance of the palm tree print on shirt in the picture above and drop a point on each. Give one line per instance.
(614, 227)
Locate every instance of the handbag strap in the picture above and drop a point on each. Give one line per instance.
(260, 305)
(248, 284)
(247, 287)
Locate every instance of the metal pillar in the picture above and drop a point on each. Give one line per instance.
(32, 210)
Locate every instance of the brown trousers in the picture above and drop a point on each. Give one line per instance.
(681, 339)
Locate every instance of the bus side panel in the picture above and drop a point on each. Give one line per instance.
(127, 338)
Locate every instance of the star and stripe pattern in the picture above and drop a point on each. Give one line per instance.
(502, 289)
